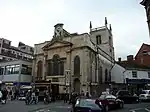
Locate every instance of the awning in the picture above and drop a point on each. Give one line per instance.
(138, 81)
(22, 83)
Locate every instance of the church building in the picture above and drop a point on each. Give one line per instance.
(75, 62)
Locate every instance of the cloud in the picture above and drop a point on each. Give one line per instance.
(32, 21)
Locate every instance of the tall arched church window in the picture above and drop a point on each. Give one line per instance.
(100, 74)
(106, 75)
(77, 65)
(109, 76)
(39, 69)
(56, 65)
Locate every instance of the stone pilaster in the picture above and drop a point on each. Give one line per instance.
(44, 67)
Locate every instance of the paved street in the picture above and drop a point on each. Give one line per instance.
(19, 106)
(141, 107)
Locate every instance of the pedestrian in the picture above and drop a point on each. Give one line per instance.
(28, 97)
(1, 95)
(88, 94)
(4, 95)
(37, 95)
(10, 94)
(65, 98)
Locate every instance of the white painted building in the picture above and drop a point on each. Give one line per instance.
(130, 73)
(16, 72)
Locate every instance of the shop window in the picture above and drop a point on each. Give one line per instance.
(26, 70)
(134, 74)
(148, 74)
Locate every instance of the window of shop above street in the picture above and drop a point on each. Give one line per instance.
(12, 69)
(148, 74)
(134, 74)
(2, 70)
(26, 70)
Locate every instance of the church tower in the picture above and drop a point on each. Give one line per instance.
(102, 36)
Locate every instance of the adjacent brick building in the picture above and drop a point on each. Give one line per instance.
(143, 55)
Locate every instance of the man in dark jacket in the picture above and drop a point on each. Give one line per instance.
(4, 95)
(37, 95)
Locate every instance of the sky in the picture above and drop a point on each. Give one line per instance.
(32, 21)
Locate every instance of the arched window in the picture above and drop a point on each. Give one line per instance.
(39, 69)
(56, 64)
(109, 76)
(77, 65)
(106, 75)
(100, 74)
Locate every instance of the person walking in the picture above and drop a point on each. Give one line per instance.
(37, 95)
(4, 95)
(1, 95)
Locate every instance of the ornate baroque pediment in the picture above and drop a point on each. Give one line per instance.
(56, 44)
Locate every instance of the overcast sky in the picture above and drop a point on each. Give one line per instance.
(32, 21)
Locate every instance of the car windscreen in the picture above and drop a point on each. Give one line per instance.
(87, 103)
(102, 97)
(122, 93)
(110, 97)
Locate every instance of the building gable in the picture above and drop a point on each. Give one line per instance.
(56, 44)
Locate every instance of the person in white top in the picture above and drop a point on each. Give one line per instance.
(1, 95)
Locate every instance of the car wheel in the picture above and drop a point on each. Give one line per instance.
(106, 108)
(121, 105)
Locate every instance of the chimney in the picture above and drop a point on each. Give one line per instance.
(119, 59)
(130, 58)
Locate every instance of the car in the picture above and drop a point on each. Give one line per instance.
(22, 93)
(144, 95)
(109, 102)
(126, 96)
(87, 105)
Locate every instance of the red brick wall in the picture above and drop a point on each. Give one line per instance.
(142, 58)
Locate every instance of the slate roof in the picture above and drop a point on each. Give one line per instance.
(132, 65)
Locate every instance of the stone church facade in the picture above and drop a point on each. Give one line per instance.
(76, 62)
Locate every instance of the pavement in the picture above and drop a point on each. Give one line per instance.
(140, 107)
(20, 106)
(59, 106)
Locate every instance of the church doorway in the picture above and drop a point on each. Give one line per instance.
(55, 91)
(77, 85)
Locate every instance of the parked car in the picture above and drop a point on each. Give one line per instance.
(126, 96)
(144, 95)
(109, 102)
(87, 105)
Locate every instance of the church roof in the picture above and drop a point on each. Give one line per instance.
(132, 65)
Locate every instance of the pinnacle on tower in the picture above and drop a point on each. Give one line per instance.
(106, 21)
(110, 27)
(90, 25)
